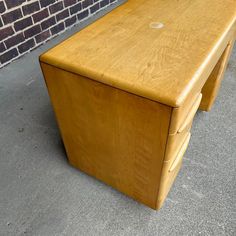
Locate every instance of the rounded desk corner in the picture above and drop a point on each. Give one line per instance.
(42, 58)
(178, 100)
(160, 204)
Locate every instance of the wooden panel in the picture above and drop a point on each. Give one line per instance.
(115, 136)
(211, 87)
(164, 64)
(167, 183)
(175, 141)
(125, 93)
(184, 115)
(170, 171)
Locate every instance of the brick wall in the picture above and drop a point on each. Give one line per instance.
(26, 24)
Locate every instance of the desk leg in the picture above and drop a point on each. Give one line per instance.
(211, 87)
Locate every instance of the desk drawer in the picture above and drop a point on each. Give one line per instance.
(175, 141)
(178, 140)
(182, 129)
(182, 116)
(170, 171)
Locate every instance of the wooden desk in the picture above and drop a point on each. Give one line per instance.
(126, 88)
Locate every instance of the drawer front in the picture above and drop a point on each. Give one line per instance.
(182, 116)
(166, 185)
(175, 141)
(178, 140)
(170, 171)
(183, 127)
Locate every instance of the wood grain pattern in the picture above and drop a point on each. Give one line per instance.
(174, 142)
(212, 86)
(181, 114)
(168, 174)
(114, 136)
(125, 94)
(164, 64)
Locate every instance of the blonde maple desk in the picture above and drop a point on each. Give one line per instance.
(126, 88)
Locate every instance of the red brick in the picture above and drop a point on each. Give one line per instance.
(4, 33)
(40, 15)
(57, 28)
(87, 3)
(48, 23)
(13, 3)
(30, 8)
(7, 56)
(26, 46)
(56, 7)
(83, 15)
(69, 2)
(22, 24)
(36, 29)
(104, 3)
(13, 41)
(42, 36)
(11, 16)
(2, 47)
(2, 7)
(70, 21)
(94, 8)
(75, 8)
(45, 3)
(62, 15)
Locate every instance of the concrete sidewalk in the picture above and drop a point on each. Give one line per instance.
(41, 194)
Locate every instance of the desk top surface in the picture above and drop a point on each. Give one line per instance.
(153, 48)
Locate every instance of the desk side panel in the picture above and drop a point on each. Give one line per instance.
(115, 136)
